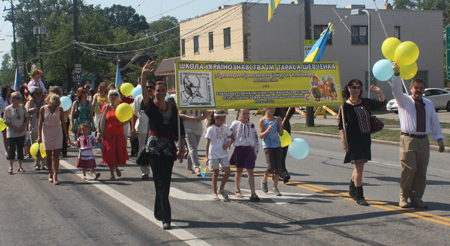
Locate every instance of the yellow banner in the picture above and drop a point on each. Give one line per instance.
(234, 85)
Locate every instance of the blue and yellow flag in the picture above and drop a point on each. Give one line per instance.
(317, 50)
(118, 77)
(17, 80)
(273, 4)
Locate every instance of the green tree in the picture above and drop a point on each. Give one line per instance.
(7, 71)
(125, 17)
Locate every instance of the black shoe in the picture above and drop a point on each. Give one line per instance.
(352, 190)
(359, 192)
(286, 178)
(29, 156)
(166, 226)
(362, 202)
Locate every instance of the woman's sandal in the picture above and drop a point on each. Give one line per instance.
(97, 175)
(224, 195)
(215, 197)
(55, 180)
(21, 170)
(111, 177)
(10, 171)
(254, 198)
(238, 193)
(84, 178)
(50, 177)
(119, 174)
(37, 168)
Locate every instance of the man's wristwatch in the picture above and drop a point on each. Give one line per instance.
(397, 73)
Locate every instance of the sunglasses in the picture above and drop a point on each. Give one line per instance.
(37, 94)
(114, 95)
(356, 87)
(150, 87)
(84, 92)
(18, 98)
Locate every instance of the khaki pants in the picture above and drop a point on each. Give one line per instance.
(414, 156)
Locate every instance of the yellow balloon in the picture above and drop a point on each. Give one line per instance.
(2, 125)
(124, 112)
(406, 53)
(388, 48)
(285, 139)
(34, 149)
(408, 71)
(42, 150)
(126, 89)
(38, 154)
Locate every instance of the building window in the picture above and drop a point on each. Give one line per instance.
(318, 29)
(226, 38)
(397, 32)
(196, 45)
(183, 48)
(359, 35)
(211, 41)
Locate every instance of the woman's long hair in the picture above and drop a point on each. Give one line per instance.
(349, 84)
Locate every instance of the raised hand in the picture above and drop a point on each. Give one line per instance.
(149, 66)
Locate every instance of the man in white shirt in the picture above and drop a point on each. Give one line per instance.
(418, 118)
(139, 125)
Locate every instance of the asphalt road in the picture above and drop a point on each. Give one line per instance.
(314, 209)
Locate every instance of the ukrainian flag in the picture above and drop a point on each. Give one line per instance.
(319, 47)
(273, 4)
(17, 80)
(118, 77)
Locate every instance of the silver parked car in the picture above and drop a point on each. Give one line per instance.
(439, 97)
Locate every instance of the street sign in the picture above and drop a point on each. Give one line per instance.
(448, 64)
(77, 68)
(307, 46)
(78, 76)
(447, 30)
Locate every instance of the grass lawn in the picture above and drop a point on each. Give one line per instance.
(385, 134)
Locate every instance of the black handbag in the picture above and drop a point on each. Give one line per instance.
(142, 157)
(376, 124)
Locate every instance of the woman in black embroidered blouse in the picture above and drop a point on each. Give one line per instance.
(163, 122)
(356, 140)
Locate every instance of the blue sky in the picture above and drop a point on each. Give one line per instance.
(154, 9)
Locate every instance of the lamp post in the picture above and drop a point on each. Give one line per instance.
(358, 12)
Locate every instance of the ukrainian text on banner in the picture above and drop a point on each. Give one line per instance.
(233, 85)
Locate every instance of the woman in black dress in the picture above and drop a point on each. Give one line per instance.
(161, 149)
(356, 141)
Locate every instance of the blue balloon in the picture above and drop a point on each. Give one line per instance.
(298, 148)
(382, 70)
(66, 103)
(136, 91)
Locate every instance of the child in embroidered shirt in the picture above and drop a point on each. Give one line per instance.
(269, 128)
(245, 151)
(218, 140)
(85, 143)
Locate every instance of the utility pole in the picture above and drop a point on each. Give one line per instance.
(76, 38)
(40, 40)
(307, 7)
(14, 31)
